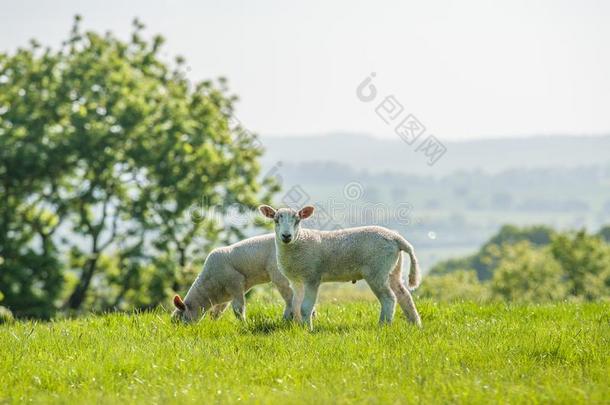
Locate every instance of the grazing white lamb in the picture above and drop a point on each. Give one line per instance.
(308, 257)
(228, 273)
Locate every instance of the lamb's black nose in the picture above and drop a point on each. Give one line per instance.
(286, 237)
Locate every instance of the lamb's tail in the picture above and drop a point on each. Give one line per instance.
(414, 273)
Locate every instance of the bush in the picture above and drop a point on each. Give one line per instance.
(485, 260)
(531, 264)
(454, 286)
(6, 316)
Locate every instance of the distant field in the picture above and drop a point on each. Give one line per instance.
(466, 353)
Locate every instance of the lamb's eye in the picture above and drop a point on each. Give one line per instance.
(276, 220)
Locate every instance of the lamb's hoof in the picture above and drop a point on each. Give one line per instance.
(307, 325)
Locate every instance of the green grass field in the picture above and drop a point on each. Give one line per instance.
(466, 353)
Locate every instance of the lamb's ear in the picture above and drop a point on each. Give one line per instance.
(267, 211)
(306, 212)
(178, 303)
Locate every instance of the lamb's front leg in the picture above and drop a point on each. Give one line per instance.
(309, 301)
(239, 306)
(218, 309)
(297, 300)
(283, 286)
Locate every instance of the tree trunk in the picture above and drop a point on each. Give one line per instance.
(78, 295)
(182, 263)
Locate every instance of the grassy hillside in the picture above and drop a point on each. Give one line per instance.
(466, 353)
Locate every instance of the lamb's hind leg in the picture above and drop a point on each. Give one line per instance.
(405, 300)
(386, 297)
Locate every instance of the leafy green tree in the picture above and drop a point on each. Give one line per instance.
(586, 262)
(487, 259)
(537, 235)
(536, 264)
(105, 141)
(527, 274)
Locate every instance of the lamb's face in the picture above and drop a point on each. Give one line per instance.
(287, 221)
(287, 225)
(184, 316)
(183, 312)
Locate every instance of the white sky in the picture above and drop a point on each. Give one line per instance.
(465, 69)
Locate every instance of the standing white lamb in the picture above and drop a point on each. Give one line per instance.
(228, 273)
(308, 257)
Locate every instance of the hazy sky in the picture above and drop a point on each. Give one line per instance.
(464, 69)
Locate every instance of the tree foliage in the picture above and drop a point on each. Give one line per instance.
(486, 259)
(586, 262)
(526, 274)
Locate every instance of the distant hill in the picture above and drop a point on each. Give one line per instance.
(363, 152)
(457, 204)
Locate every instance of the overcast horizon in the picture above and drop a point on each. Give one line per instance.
(392, 136)
(466, 71)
